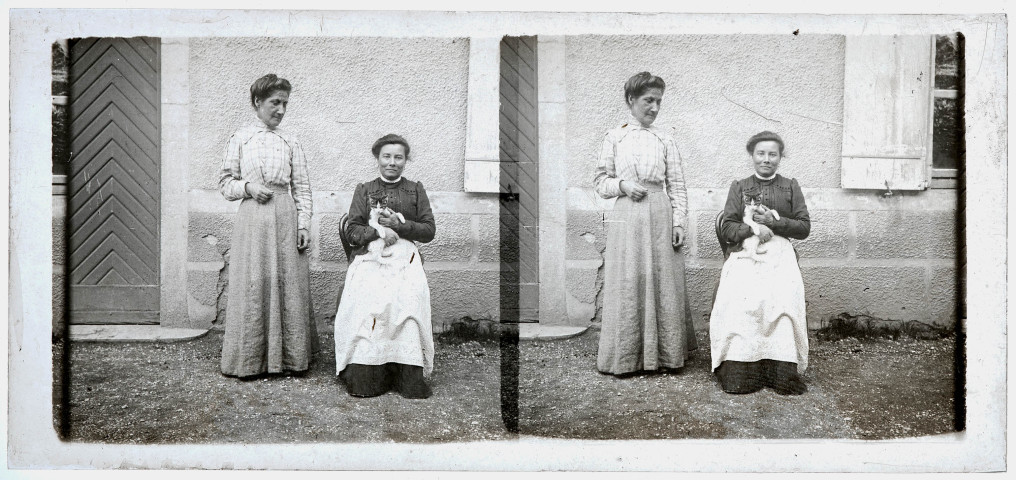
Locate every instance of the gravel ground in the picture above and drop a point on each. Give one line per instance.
(173, 393)
(873, 390)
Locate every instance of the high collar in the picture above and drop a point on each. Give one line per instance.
(635, 125)
(765, 179)
(260, 126)
(390, 182)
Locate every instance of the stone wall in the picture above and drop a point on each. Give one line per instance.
(347, 92)
(890, 257)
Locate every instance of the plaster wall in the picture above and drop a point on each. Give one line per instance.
(721, 89)
(891, 257)
(347, 92)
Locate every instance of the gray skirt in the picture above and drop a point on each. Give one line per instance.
(269, 326)
(646, 319)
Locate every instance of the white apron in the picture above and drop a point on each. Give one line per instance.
(384, 313)
(759, 312)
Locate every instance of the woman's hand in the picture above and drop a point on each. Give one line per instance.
(764, 234)
(388, 220)
(390, 237)
(678, 235)
(767, 218)
(302, 239)
(260, 193)
(633, 190)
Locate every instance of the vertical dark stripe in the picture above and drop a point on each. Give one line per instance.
(960, 357)
(509, 305)
(518, 214)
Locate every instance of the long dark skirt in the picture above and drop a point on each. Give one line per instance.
(750, 377)
(374, 380)
(269, 325)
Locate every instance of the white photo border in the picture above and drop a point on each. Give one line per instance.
(33, 442)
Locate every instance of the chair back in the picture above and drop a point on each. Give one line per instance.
(346, 246)
(724, 246)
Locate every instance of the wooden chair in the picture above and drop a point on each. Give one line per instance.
(724, 246)
(346, 246)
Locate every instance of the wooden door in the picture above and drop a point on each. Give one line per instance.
(113, 194)
(519, 149)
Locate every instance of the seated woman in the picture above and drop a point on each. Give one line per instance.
(758, 329)
(383, 333)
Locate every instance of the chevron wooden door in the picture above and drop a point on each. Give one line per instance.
(519, 152)
(113, 206)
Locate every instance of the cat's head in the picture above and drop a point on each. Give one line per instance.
(378, 200)
(752, 198)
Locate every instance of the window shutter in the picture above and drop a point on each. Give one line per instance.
(888, 87)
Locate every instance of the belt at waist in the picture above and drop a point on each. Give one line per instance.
(279, 188)
(653, 187)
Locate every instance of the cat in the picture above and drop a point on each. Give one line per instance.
(752, 245)
(380, 206)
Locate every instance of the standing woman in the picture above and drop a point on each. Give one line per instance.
(647, 323)
(268, 318)
(757, 330)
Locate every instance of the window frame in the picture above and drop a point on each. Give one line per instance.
(943, 178)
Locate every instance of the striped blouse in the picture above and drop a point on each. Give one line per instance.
(269, 157)
(634, 153)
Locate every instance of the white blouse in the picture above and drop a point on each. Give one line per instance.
(270, 157)
(642, 155)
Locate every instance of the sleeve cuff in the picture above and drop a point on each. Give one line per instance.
(681, 221)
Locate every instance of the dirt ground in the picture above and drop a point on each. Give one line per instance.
(877, 389)
(173, 393)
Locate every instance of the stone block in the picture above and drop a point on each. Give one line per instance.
(701, 282)
(830, 233)
(200, 315)
(59, 240)
(488, 238)
(59, 305)
(458, 293)
(453, 241)
(586, 235)
(579, 312)
(705, 234)
(202, 286)
(208, 236)
(906, 234)
(328, 243)
(944, 295)
(581, 284)
(324, 291)
(892, 293)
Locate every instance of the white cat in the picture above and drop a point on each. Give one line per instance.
(377, 247)
(752, 247)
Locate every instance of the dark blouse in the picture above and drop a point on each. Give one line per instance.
(405, 196)
(781, 194)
